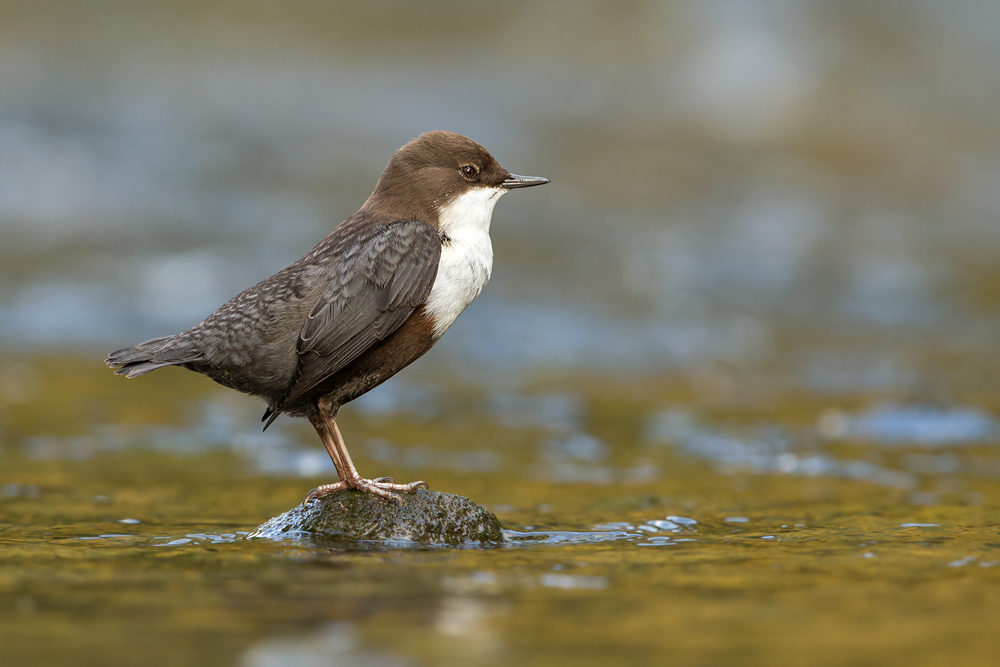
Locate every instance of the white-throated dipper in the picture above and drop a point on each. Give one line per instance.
(367, 301)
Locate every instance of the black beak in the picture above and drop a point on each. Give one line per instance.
(515, 181)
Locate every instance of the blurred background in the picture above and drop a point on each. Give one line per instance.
(763, 285)
(813, 185)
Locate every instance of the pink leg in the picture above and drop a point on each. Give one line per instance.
(326, 426)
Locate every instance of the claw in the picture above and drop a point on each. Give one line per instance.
(380, 486)
(324, 490)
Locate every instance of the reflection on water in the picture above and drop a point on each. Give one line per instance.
(894, 424)
(335, 643)
(776, 451)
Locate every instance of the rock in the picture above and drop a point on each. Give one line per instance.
(425, 517)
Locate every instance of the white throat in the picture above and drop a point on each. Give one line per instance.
(466, 255)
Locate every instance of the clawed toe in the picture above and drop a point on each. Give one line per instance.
(324, 490)
(383, 487)
(326, 426)
(413, 486)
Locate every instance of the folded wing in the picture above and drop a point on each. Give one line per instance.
(383, 273)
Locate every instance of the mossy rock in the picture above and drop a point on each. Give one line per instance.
(424, 517)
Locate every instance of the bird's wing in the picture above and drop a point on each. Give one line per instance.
(383, 272)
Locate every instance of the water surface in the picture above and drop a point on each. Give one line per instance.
(641, 525)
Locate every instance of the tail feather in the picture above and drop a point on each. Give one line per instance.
(269, 416)
(135, 370)
(145, 357)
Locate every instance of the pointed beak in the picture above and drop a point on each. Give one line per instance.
(515, 181)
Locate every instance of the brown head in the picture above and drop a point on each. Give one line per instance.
(435, 169)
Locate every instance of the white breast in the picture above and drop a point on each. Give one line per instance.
(466, 256)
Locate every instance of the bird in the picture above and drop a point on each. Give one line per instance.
(368, 300)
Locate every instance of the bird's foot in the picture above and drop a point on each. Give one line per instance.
(380, 486)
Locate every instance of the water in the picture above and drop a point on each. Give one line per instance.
(732, 388)
(127, 543)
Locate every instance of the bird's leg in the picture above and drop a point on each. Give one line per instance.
(320, 425)
(349, 477)
(324, 434)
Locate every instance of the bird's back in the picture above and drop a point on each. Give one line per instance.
(249, 343)
(254, 342)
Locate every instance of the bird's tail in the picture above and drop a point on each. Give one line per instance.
(144, 357)
(270, 415)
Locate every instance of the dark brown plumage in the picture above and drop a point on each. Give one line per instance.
(354, 311)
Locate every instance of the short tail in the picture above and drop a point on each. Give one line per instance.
(270, 415)
(144, 357)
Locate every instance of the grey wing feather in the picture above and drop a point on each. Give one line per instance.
(386, 272)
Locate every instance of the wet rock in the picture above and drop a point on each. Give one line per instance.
(425, 517)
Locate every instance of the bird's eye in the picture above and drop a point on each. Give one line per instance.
(469, 171)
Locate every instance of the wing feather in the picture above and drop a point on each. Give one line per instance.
(383, 273)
